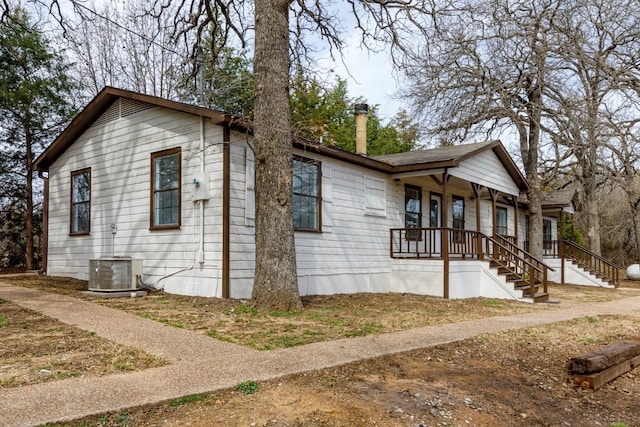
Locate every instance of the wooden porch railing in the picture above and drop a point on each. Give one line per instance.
(524, 254)
(519, 263)
(550, 248)
(596, 264)
(416, 243)
(583, 257)
(428, 243)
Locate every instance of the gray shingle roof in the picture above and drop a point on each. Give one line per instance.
(432, 155)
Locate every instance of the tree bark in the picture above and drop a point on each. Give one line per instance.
(275, 285)
(529, 144)
(591, 219)
(28, 226)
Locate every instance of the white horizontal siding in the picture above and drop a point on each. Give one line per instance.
(359, 241)
(356, 244)
(486, 218)
(119, 155)
(487, 170)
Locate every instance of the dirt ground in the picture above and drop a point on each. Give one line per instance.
(502, 379)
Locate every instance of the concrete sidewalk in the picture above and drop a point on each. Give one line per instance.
(200, 364)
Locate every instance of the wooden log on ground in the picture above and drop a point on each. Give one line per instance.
(596, 380)
(599, 360)
(595, 369)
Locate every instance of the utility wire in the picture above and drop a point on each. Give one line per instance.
(142, 36)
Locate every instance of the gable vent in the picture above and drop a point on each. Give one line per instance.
(122, 107)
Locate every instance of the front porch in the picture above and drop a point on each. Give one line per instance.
(458, 258)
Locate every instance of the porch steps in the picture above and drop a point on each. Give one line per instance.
(521, 284)
(594, 273)
(538, 297)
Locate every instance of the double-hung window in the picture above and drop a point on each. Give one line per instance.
(165, 189)
(501, 220)
(306, 194)
(458, 212)
(458, 218)
(413, 211)
(81, 202)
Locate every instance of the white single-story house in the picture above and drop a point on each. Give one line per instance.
(172, 185)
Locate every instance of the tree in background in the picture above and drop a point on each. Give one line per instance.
(124, 47)
(326, 114)
(34, 107)
(591, 110)
(221, 77)
(561, 75)
(485, 70)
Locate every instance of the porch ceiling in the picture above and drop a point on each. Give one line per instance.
(455, 185)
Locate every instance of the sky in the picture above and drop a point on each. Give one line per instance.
(368, 75)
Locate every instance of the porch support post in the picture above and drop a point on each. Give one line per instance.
(515, 218)
(477, 189)
(494, 197)
(561, 247)
(445, 236)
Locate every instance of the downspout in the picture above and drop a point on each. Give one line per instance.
(561, 247)
(45, 224)
(226, 197)
(201, 202)
(202, 155)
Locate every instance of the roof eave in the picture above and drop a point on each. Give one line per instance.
(339, 154)
(98, 105)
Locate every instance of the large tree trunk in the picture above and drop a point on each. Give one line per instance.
(591, 220)
(529, 143)
(535, 220)
(275, 286)
(28, 228)
(589, 187)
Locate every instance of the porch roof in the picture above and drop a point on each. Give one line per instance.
(451, 156)
(554, 200)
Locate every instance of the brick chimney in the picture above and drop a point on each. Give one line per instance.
(361, 111)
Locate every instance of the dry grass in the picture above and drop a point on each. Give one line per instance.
(324, 317)
(36, 349)
(508, 378)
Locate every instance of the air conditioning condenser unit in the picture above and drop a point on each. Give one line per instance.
(114, 274)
